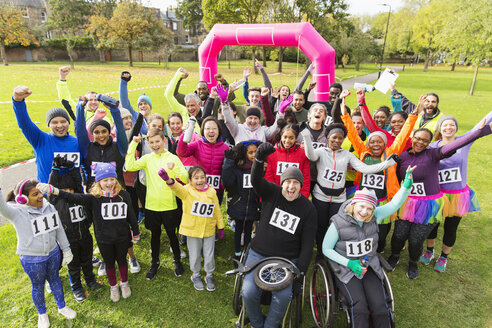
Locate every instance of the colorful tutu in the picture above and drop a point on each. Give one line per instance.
(461, 202)
(424, 210)
(350, 191)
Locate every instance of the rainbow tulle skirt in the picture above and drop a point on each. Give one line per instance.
(461, 202)
(424, 209)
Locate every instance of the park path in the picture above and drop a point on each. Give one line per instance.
(10, 175)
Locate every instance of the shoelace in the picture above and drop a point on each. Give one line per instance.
(442, 261)
(427, 254)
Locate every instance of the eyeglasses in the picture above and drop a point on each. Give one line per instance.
(426, 141)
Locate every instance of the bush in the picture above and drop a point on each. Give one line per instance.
(80, 42)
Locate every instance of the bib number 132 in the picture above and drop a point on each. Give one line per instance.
(44, 224)
(284, 221)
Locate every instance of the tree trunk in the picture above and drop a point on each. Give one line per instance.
(253, 58)
(280, 58)
(474, 80)
(453, 66)
(3, 54)
(357, 65)
(264, 57)
(69, 51)
(102, 55)
(427, 58)
(130, 60)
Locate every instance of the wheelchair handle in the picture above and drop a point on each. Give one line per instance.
(247, 268)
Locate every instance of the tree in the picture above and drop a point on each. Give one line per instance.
(98, 28)
(190, 11)
(68, 18)
(361, 46)
(13, 30)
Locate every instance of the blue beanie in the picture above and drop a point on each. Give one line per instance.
(145, 98)
(104, 170)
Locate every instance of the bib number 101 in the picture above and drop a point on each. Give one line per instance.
(114, 211)
(44, 224)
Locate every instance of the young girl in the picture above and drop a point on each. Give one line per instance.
(201, 215)
(39, 240)
(112, 213)
(289, 153)
(175, 124)
(244, 207)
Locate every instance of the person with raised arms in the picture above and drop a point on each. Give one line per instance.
(143, 102)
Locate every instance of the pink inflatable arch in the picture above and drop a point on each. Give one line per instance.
(302, 35)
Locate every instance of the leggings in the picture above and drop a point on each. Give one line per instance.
(325, 212)
(415, 233)
(383, 230)
(112, 253)
(245, 226)
(450, 227)
(41, 272)
(170, 221)
(366, 295)
(82, 258)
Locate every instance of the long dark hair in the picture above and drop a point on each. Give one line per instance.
(26, 189)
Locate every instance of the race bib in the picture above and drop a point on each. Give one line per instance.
(93, 173)
(205, 210)
(247, 181)
(449, 175)
(333, 175)
(45, 223)
(282, 166)
(77, 213)
(417, 189)
(114, 211)
(285, 221)
(373, 181)
(317, 145)
(359, 248)
(214, 181)
(69, 156)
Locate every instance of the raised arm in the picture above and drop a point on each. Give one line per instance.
(136, 127)
(264, 75)
(131, 164)
(353, 135)
(304, 77)
(121, 139)
(265, 107)
(449, 148)
(246, 74)
(177, 95)
(123, 94)
(169, 95)
(382, 212)
(312, 155)
(336, 112)
(62, 86)
(261, 186)
(32, 133)
(406, 104)
(6, 210)
(80, 129)
(375, 168)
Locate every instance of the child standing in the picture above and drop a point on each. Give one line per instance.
(39, 240)
(201, 215)
(112, 214)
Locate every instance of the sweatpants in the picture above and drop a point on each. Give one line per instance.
(415, 233)
(195, 247)
(82, 258)
(112, 253)
(325, 211)
(170, 220)
(450, 228)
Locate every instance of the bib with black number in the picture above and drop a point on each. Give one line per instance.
(69, 156)
(93, 173)
(359, 248)
(45, 223)
(114, 211)
(333, 176)
(373, 181)
(247, 181)
(285, 221)
(417, 189)
(77, 213)
(205, 210)
(317, 145)
(214, 181)
(449, 175)
(282, 166)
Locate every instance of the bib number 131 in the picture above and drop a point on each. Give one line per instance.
(284, 221)
(44, 224)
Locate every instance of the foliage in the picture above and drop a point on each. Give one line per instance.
(79, 42)
(190, 11)
(98, 27)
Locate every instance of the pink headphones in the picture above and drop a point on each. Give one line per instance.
(20, 198)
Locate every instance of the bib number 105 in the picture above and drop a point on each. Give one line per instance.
(114, 211)
(44, 224)
(202, 209)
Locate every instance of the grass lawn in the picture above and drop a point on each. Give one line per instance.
(461, 297)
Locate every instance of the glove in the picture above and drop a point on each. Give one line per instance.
(163, 174)
(136, 238)
(407, 184)
(46, 188)
(127, 79)
(355, 267)
(67, 257)
(265, 150)
(284, 104)
(231, 153)
(220, 233)
(297, 285)
(62, 162)
(393, 157)
(222, 92)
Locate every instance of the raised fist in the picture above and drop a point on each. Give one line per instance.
(126, 76)
(21, 92)
(64, 72)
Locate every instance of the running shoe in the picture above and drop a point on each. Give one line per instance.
(94, 285)
(102, 269)
(413, 270)
(141, 217)
(134, 265)
(125, 289)
(67, 312)
(209, 280)
(393, 261)
(95, 261)
(178, 268)
(441, 263)
(197, 282)
(114, 294)
(427, 257)
(152, 271)
(43, 321)
(79, 295)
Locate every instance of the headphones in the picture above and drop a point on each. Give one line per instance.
(20, 198)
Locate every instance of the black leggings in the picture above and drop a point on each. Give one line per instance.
(248, 228)
(415, 233)
(153, 222)
(325, 211)
(111, 253)
(450, 227)
(383, 230)
(366, 295)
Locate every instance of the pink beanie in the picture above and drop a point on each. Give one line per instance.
(365, 195)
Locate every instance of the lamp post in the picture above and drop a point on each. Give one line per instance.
(385, 34)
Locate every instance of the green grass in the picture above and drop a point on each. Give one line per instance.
(461, 297)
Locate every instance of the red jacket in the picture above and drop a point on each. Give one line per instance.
(278, 162)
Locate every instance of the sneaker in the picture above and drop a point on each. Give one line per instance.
(182, 240)
(393, 261)
(197, 282)
(79, 295)
(95, 261)
(94, 285)
(178, 269)
(125, 290)
(134, 265)
(242, 239)
(427, 257)
(182, 252)
(141, 216)
(48, 288)
(102, 269)
(43, 321)
(67, 312)
(413, 270)
(114, 293)
(209, 280)
(440, 265)
(152, 271)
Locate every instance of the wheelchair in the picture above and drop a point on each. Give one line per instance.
(328, 306)
(271, 273)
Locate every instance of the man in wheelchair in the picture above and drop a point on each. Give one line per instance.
(352, 236)
(287, 228)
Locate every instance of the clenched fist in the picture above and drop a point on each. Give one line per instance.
(21, 92)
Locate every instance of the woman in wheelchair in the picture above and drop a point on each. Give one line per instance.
(352, 236)
(287, 228)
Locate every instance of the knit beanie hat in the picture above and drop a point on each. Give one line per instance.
(445, 118)
(145, 98)
(365, 195)
(63, 181)
(104, 170)
(255, 111)
(55, 112)
(378, 134)
(125, 113)
(96, 123)
(292, 172)
(396, 102)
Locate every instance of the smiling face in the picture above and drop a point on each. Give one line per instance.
(156, 124)
(363, 211)
(420, 141)
(202, 90)
(156, 143)
(298, 102)
(250, 152)
(252, 121)
(358, 123)
(254, 98)
(448, 129)
(198, 179)
(288, 138)
(211, 131)
(176, 125)
(430, 104)
(284, 92)
(107, 184)
(101, 135)
(380, 118)
(396, 123)
(335, 141)
(376, 144)
(144, 108)
(193, 107)
(35, 198)
(59, 126)
(92, 102)
(291, 189)
(127, 123)
(316, 115)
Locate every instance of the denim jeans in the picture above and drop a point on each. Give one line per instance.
(251, 294)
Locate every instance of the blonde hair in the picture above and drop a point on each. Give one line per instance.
(350, 210)
(97, 192)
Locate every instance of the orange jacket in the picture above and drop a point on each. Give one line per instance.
(397, 147)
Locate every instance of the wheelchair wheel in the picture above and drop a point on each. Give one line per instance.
(389, 298)
(238, 284)
(273, 275)
(322, 295)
